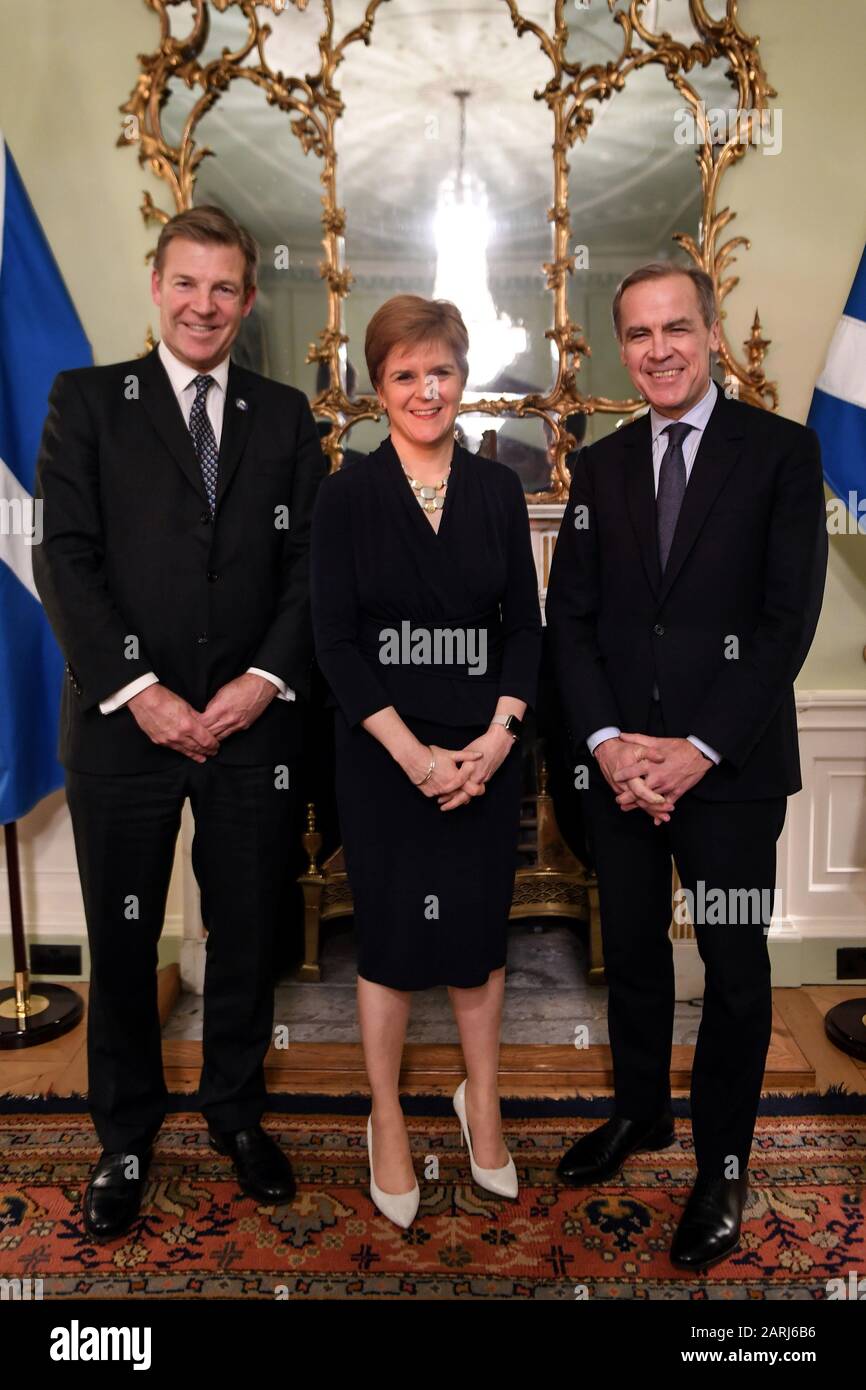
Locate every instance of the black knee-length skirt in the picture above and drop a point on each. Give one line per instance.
(432, 889)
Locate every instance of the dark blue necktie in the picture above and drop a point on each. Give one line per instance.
(672, 488)
(203, 438)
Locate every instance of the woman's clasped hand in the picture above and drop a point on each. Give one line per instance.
(460, 774)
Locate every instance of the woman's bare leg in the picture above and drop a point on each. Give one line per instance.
(383, 1014)
(479, 1018)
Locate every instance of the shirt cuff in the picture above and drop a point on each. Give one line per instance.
(126, 692)
(285, 691)
(600, 735)
(704, 748)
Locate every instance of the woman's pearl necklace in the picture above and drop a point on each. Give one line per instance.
(426, 494)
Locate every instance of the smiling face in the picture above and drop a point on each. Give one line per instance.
(201, 298)
(420, 386)
(664, 343)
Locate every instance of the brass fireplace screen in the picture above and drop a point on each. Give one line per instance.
(518, 159)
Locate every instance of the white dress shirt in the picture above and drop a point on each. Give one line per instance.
(182, 378)
(697, 417)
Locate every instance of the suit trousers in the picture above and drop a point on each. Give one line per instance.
(725, 854)
(125, 828)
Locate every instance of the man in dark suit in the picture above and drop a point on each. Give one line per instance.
(684, 594)
(178, 491)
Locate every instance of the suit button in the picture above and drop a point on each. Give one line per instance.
(202, 638)
(659, 630)
(205, 518)
(212, 576)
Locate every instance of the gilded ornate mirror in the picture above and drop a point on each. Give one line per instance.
(518, 159)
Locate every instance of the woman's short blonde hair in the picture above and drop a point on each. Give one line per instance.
(409, 319)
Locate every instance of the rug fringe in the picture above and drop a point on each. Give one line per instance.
(835, 1100)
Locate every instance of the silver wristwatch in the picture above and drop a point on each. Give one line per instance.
(511, 723)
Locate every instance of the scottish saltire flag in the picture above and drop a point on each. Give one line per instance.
(838, 409)
(40, 335)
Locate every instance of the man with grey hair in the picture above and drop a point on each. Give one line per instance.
(684, 595)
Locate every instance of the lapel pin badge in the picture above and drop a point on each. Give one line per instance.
(241, 403)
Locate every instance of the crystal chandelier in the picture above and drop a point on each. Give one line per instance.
(462, 229)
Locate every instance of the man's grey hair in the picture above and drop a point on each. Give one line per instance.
(659, 270)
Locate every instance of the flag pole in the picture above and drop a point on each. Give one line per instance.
(28, 1019)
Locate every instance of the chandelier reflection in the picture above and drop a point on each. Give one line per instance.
(462, 228)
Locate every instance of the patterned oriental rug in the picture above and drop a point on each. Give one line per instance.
(199, 1237)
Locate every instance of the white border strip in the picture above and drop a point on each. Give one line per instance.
(844, 374)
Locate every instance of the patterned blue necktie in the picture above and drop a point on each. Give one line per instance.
(672, 488)
(203, 438)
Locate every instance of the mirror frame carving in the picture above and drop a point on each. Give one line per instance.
(314, 105)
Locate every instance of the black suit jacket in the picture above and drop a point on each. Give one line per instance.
(130, 551)
(747, 562)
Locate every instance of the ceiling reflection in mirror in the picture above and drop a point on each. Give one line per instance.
(633, 186)
(445, 179)
(517, 159)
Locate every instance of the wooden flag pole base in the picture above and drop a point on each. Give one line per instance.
(29, 1019)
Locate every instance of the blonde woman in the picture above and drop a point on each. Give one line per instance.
(428, 632)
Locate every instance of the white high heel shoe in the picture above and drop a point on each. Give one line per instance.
(399, 1207)
(502, 1181)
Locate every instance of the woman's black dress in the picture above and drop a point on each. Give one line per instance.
(432, 889)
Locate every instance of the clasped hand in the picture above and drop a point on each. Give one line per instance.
(170, 720)
(461, 774)
(651, 774)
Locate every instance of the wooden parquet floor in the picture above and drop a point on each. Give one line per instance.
(801, 1058)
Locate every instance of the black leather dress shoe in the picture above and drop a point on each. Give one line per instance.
(600, 1154)
(112, 1198)
(263, 1170)
(709, 1227)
